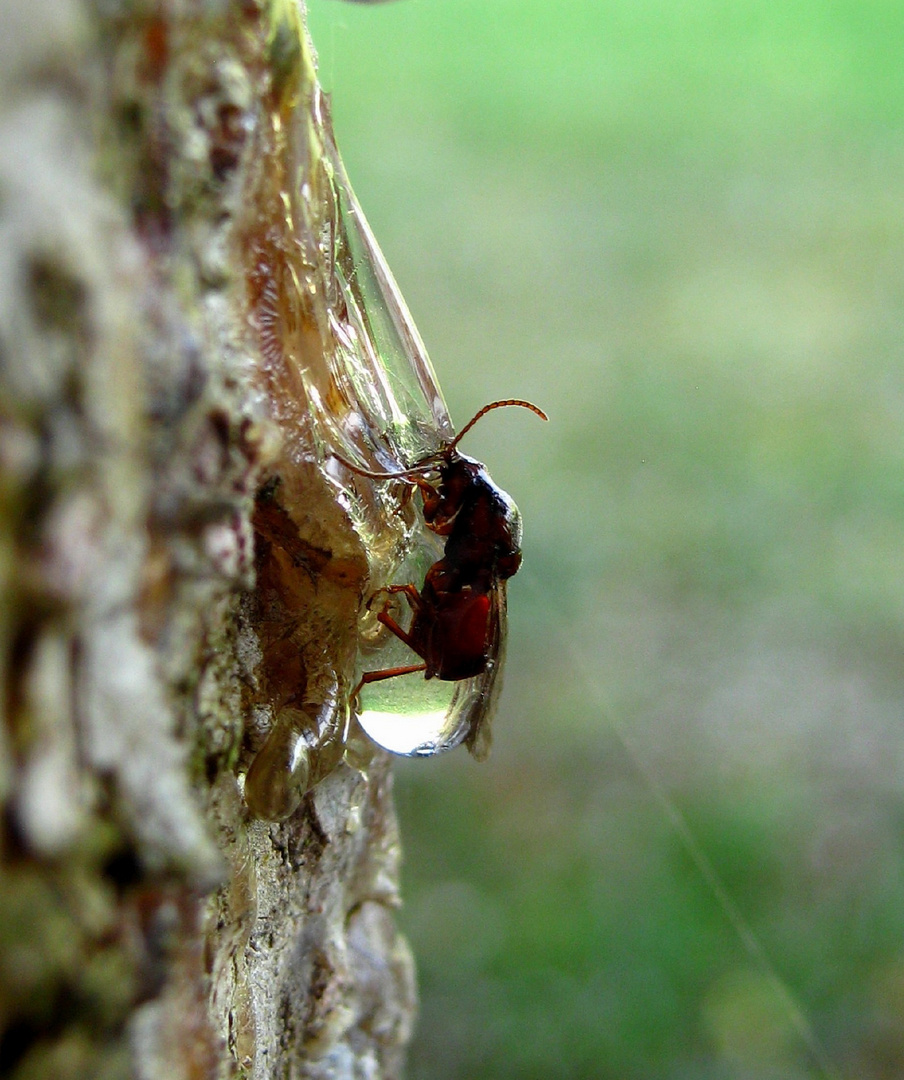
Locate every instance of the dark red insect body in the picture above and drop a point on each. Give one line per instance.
(452, 625)
(456, 626)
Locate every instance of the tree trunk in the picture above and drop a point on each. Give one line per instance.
(180, 581)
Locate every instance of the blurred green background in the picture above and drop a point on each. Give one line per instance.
(677, 225)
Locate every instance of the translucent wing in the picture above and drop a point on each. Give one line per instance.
(478, 696)
(391, 411)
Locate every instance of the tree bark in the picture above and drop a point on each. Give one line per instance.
(180, 583)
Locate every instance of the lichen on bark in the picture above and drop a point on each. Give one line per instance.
(151, 926)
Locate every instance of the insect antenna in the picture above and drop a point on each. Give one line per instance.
(430, 463)
(423, 466)
(795, 1012)
(488, 408)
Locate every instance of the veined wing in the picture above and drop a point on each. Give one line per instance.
(393, 409)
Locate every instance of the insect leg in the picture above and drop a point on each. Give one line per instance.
(388, 673)
(379, 676)
(389, 622)
(414, 597)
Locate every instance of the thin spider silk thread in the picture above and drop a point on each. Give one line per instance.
(736, 919)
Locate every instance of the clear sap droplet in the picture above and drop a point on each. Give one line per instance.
(278, 777)
(409, 714)
(304, 746)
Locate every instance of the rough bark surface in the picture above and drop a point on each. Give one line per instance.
(151, 926)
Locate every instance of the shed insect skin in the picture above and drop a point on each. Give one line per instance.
(457, 624)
